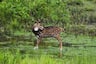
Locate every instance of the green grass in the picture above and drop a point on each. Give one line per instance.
(7, 57)
(83, 50)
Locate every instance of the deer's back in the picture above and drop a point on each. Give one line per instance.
(50, 31)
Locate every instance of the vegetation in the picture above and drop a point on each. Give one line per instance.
(21, 14)
(76, 50)
(17, 58)
(77, 17)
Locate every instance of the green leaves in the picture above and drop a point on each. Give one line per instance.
(58, 12)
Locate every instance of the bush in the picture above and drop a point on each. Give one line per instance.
(20, 14)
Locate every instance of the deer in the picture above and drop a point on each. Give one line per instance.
(50, 31)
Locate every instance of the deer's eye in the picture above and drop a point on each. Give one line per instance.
(39, 22)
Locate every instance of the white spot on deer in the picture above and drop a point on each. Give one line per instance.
(36, 29)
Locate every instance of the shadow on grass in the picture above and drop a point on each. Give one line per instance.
(77, 45)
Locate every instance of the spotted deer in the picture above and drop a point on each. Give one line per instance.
(42, 32)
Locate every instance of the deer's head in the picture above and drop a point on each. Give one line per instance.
(38, 26)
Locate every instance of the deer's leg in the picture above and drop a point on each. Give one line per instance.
(60, 44)
(37, 43)
(60, 41)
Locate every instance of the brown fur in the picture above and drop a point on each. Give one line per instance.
(50, 31)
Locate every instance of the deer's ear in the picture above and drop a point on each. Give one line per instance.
(39, 20)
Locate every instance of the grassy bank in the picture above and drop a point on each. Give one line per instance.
(8, 57)
(78, 49)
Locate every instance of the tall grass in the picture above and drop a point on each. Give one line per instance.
(8, 57)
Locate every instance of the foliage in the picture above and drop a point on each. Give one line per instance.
(81, 29)
(18, 58)
(82, 11)
(79, 49)
(21, 14)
